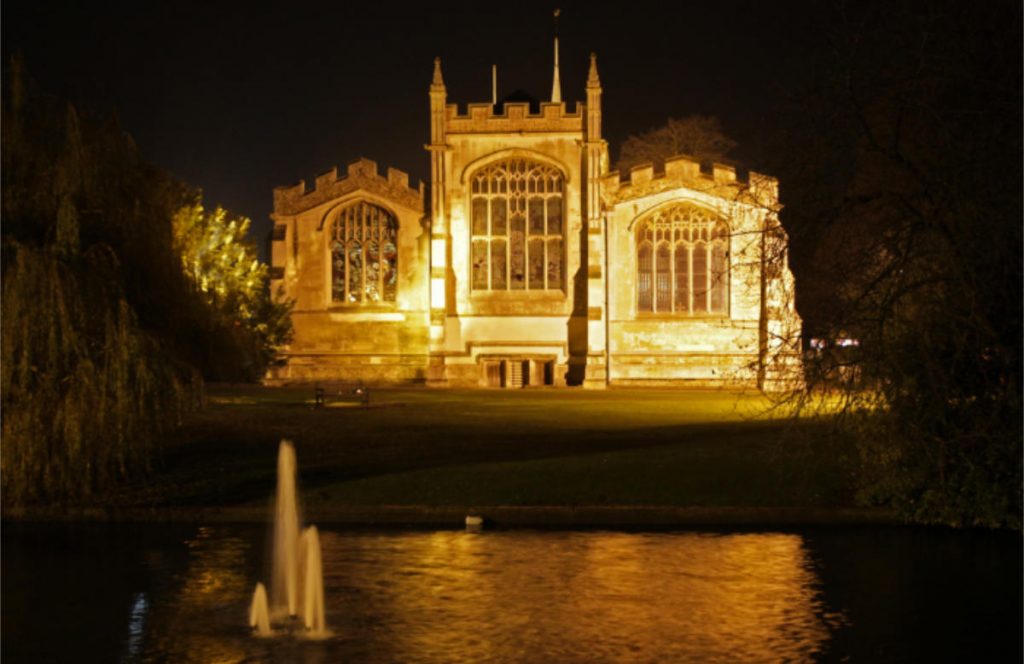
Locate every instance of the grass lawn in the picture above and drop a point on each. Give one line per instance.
(494, 447)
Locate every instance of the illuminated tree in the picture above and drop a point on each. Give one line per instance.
(223, 267)
(698, 136)
(217, 257)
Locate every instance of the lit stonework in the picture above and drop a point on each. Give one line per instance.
(532, 265)
(699, 319)
(350, 252)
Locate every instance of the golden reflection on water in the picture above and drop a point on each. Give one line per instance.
(213, 584)
(517, 596)
(606, 596)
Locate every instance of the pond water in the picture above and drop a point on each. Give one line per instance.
(181, 593)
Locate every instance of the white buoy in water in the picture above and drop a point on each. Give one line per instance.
(474, 522)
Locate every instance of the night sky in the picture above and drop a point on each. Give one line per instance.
(240, 98)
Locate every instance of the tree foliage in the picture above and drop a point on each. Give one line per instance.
(223, 267)
(86, 390)
(86, 393)
(217, 258)
(698, 136)
(119, 293)
(912, 193)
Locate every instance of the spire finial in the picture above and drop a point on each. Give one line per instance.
(438, 80)
(593, 80)
(556, 85)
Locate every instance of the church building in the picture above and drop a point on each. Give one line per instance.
(531, 264)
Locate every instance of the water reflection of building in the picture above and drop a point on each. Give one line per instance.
(449, 596)
(581, 597)
(532, 264)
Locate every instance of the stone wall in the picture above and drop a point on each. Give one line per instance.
(703, 349)
(381, 342)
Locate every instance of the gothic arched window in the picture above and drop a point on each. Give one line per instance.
(517, 227)
(682, 259)
(364, 255)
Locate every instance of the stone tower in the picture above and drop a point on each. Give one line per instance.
(514, 196)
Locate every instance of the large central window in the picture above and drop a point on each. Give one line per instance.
(364, 255)
(517, 223)
(682, 263)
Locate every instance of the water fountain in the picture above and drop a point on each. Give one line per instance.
(313, 589)
(297, 582)
(259, 614)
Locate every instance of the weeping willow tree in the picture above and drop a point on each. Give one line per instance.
(85, 391)
(86, 387)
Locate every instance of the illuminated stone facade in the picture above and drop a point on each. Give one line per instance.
(353, 324)
(532, 265)
(699, 288)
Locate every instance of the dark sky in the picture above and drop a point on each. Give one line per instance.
(240, 98)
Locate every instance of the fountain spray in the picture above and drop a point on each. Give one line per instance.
(297, 586)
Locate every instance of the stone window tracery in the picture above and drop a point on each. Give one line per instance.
(517, 227)
(682, 263)
(364, 255)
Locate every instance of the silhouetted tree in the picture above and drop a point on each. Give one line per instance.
(908, 155)
(698, 136)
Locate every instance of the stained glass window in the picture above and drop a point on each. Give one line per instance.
(364, 255)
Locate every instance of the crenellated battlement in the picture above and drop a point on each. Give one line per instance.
(514, 117)
(360, 174)
(683, 170)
